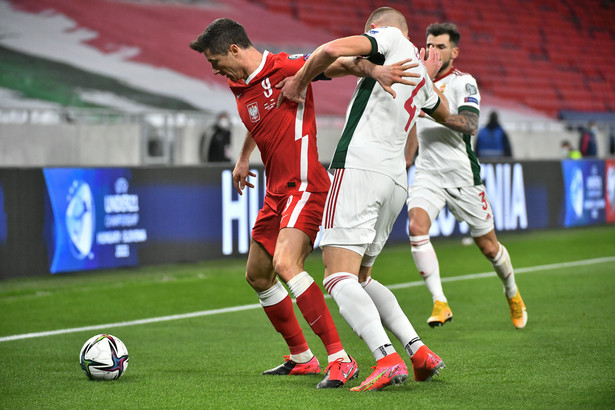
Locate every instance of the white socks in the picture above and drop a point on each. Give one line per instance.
(426, 262)
(503, 267)
(303, 357)
(392, 316)
(360, 312)
(299, 283)
(273, 295)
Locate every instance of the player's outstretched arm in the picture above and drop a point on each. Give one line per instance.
(293, 88)
(242, 166)
(386, 75)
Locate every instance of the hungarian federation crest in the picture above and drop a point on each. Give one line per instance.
(253, 112)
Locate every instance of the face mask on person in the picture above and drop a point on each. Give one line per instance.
(224, 123)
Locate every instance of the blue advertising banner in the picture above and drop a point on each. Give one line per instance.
(584, 201)
(97, 218)
(92, 219)
(110, 217)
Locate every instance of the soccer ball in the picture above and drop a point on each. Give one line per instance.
(103, 357)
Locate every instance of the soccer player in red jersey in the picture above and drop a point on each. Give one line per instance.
(297, 186)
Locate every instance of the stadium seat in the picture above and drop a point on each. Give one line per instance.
(529, 52)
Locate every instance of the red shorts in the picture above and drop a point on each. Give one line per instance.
(301, 210)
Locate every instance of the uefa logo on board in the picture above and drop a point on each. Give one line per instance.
(80, 219)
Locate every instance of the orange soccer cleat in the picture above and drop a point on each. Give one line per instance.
(518, 312)
(390, 370)
(440, 314)
(426, 364)
(338, 373)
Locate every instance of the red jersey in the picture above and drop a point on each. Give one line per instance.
(286, 136)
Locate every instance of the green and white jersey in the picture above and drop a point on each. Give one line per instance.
(377, 125)
(446, 157)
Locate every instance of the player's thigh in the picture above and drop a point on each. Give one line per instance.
(303, 210)
(471, 204)
(292, 247)
(427, 197)
(352, 208)
(392, 202)
(267, 225)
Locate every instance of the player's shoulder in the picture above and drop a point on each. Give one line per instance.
(288, 62)
(457, 74)
(385, 32)
(461, 80)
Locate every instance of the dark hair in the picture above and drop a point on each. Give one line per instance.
(493, 120)
(220, 35)
(437, 29)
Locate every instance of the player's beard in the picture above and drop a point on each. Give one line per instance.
(445, 66)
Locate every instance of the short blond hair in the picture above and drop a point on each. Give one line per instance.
(387, 16)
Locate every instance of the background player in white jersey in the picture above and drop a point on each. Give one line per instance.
(369, 191)
(448, 173)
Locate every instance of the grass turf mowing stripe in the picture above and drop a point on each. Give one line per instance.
(257, 305)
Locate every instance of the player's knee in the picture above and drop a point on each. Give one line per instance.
(417, 227)
(258, 282)
(282, 266)
(489, 248)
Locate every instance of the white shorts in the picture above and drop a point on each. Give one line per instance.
(360, 211)
(470, 204)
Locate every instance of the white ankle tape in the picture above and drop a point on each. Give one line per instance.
(273, 295)
(299, 284)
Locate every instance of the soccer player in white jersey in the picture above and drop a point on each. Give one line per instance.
(369, 190)
(448, 173)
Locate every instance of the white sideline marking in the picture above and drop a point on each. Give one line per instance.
(257, 305)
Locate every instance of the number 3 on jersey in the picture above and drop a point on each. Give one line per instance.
(267, 86)
(483, 200)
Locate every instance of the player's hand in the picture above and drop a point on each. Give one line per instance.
(396, 73)
(240, 176)
(432, 62)
(289, 90)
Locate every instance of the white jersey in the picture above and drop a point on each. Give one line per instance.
(446, 157)
(377, 125)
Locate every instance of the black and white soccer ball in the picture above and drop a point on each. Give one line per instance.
(104, 357)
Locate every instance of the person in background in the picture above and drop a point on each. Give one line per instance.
(448, 173)
(568, 152)
(492, 141)
(220, 141)
(587, 143)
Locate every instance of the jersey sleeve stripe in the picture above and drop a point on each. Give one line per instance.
(374, 46)
(430, 111)
(468, 108)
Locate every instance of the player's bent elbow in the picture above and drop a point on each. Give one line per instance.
(441, 114)
(331, 50)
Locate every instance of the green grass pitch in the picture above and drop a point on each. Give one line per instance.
(564, 358)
